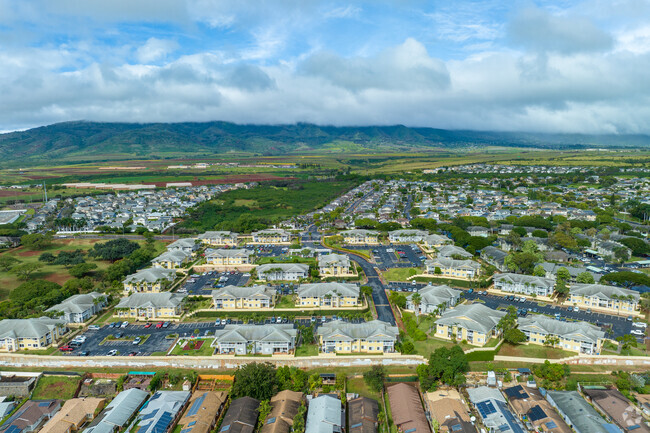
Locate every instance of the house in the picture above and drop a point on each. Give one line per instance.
(80, 308)
(610, 298)
(161, 411)
(366, 337)
(452, 268)
(331, 265)
(147, 306)
(552, 268)
(453, 252)
(618, 409)
(74, 415)
(284, 407)
(325, 415)
(229, 258)
(360, 237)
(483, 232)
(233, 297)
(241, 416)
(171, 259)
(152, 280)
(253, 339)
(526, 284)
(529, 404)
(406, 236)
(609, 249)
(494, 412)
(329, 294)
(29, 334)
(282, 272)
(187, 245)
(474, 323)
(436, 241)
(118, 413)
(30, 416)
(581, 337)
(203, 411)
(495, 257)
(271, 236)
(449, 411)
(363, 413)
(219, 238)
(406, 408)
(433, 299)
(579, 414)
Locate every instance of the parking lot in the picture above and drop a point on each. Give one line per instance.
(395, 256)
(270, 250)
(205, 283)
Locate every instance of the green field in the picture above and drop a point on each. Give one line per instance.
(533, 351)
(401, 274)
(53, 387)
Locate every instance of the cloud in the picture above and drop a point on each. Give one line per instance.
(155, 49)
(348, 11)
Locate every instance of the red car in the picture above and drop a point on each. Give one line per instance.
(66, 349)
(159, 324)
(147, 325)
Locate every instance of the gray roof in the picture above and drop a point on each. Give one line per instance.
(407, 233)
(436, 239)
(445, 262)
(452, 250)
(28, 328)
(436, 295)
(160, 411)
(229, 252)
(118, 412)
(579, 331)
(318, 290)
(494, 253)
(77, 303)
(333, 259)
(602, 291)
(286, 267)
(151, 275)
(376, 329)
(474, 317)
(573, 270)
(246, 333)
(522, 279)
(217, 235)
(152, 300)
(580, 414)
(482, 393)
(324, 415)
(257, 291)
(182, 243)
(172, 256)
(360, 232)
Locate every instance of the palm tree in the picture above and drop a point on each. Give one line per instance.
(416, 299)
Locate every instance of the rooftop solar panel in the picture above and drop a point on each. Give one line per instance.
(485, 408)
(550, 425)
(516, 392)
(536, 413)
(196, 405)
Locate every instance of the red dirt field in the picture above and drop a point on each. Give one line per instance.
(58, 278)
(241, 178)
(197, 345)
(28, 253)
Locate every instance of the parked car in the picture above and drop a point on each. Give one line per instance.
(147, 325)
(137, 341)
(118, 335)
(66, 348)
(84, 353)
(640, 324)
(166, 324)
(637, 332)
(94, 328)
(124, 324)
(159, 325)
(112, 352)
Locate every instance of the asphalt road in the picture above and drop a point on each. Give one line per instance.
(204, 284)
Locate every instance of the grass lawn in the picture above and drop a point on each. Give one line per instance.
(307, 350)
(286, 301)
(400, 274)
(49, 351)
(358, 386)
(533, 351)
(204, 350)
(51, 387)
(426, 347)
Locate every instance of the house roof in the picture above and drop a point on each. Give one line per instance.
(333, 259)
(452, 250)
(618, 408)
(324, 415)
(602, 291)
(376, 329)
(474, 317)
(511, 278)
(285, 267)
(217, 235)
(529, 402)
(152, 300)
(118, 412)
(579, 413)
(360, 232)
(160, 411)
(74, 413)
(362, 415)
(245, 333)
(229, 252)
(171, 256)
(241, 416)
(182, 243)
(28, 328)
(77, 303)
(436, 295)
(29, 414)
(236, 292)
(151, 275)
(318, 290)
(406, 408)
(494, 253)
(284, 407)
(202, 411)
(446, 262)
(579, 331)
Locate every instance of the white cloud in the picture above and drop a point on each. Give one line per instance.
(155, 49)
(348, 11)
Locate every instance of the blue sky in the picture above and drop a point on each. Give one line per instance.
(551, 66)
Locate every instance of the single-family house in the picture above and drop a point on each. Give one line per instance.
(579, 414)
(493, 409)
(241, 416)
(363, 415)
(618, 409)
(74, 415)
(161, 411)
(30, 416)
(203, 411)
(284, 407)
(406, 408)
(119, 411)
(325, 415)
(529, 404)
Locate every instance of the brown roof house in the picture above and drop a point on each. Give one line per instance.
(449, 412)
(529, 405)
(618, 409)
(362, 415)
(202, 412)
(74, 414)
(31, 416)
(406, 407)
(241, 416)
(284, 406)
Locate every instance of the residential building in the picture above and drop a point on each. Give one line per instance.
(333, 265)
(161, 411)
(494, 412)
(436, 241)
(406, 236)
(30, 416)
(118, 413)
(80, 308)
(229, 258)
(611, 298)
(147, 306)
(526, 284)
(552, 268)
(483, 232)
(271, 236)
(363, 415)
(253, 339)
(452, 268)
(325, 415)
(495, 257)
(284, 407)
(172, 259)
(474, 323)
(187, 245)
(233, 297)
(203, 411)
(618, 409)
(30, 334)
(366, 337)
(406, 408)
(581, 337)
(433, 299)
(454, 252)
(360, 237)
(447, 408)
(282, 272)
(241, 416)
(151, 280)
(579, 414)
(219, 238)
(330, 294)
(529, 405)
(74, 415)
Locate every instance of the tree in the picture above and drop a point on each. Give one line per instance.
(398, 299)
(69, 258)
(82, 269)
(407, 347)
(514, 336)
(36, 241)
(561, 288)
(563, 274)
(7, 262)
(551, 340)
(257, 380)
(25, 270)
(627, 341)
(585, 278)
(539, 271)
(375, 377)
(366, 291)
(551, 372)
(447, 365)
(299, 420)
(264, 411)
(47, 258)
(416, 299)
(114, 250)
(638, 246)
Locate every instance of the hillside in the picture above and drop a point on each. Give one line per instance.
(97, 141)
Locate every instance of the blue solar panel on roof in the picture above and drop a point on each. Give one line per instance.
(411, 430)
(485, 408)
(536, 413)
(162, 424)
(44, 404)
(356, 425)
(13, 429)
(196, 405)
(504, 427)
(191, 424)
(516, 392)
(633, 427)
(550, 425)
(271, 420)
(456, 427)
(186, 430)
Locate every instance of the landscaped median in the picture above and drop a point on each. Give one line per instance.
(329, 243)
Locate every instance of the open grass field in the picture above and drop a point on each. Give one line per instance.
(533, 351)
(52, 387)
(400, 274)
(358, 386)
(307, 350)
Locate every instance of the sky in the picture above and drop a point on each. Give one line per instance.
(501, 65)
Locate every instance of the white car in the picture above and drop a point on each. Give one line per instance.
(640, 324)
(637, 332)
(124, 324)
(94, 328)
(112, 352)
